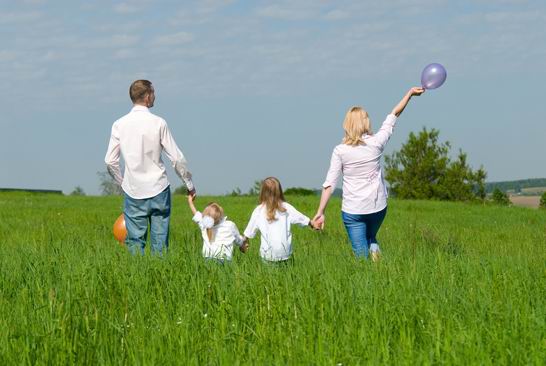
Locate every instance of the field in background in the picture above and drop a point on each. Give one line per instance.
(525, 201)
(459, 284)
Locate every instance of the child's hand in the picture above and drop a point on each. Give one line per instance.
(244, 247)
(191, 198)
(318, 222)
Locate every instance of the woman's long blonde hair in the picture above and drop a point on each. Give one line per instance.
(215, 211)
(356, 124)
(271, 195)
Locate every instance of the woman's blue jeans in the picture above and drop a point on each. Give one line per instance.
(139, 213)
(362, 230)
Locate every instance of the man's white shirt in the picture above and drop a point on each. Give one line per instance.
(139, 137)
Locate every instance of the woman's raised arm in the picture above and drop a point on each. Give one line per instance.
(415, 91)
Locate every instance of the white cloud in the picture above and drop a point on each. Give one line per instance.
(132, 6)
(337, 14)
(173, 39)
(15, 18)
(281, 12)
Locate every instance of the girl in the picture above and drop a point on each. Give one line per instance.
(273, 218)
(358, 160)
(219, 234)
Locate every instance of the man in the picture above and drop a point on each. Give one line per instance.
(140, 137)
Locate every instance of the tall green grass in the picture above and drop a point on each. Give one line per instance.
(458, 284)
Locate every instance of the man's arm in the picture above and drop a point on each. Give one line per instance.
(176, 157)
(112, 156)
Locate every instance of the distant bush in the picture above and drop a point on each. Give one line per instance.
(543, 201)
(500, 198)
(299, 191)
(78, 191)
(108, 185)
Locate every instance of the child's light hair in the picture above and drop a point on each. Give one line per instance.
(356, 124)
(271, 195)
(216, 212)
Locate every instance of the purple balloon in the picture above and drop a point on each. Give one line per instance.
(433, 76)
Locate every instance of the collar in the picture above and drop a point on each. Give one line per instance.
(139, 108)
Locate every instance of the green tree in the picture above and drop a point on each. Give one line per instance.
(235, 192)
(500, 198)
(78, 191)
(543, 201)
(255, 189)
(108, 185)
(299, 191)
(422, 169)
(182, 190)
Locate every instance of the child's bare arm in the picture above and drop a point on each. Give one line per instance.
(191, 204)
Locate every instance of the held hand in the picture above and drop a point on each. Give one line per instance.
(416, 91)
(192, 193)
(318, 221)
(191, 198)
(244, 247)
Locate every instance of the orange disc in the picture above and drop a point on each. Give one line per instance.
(120, 231)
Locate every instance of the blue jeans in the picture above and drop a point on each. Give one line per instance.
(156, 212)
(362, 230)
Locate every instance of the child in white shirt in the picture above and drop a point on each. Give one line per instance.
(273, 218)
(219, 234)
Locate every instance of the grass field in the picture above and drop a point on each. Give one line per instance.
(458, 284)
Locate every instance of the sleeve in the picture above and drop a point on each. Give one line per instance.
(384, 134)
(252, 226)
(112, 156)
(334, 171)
(198, 219)
(296, 217)
(236, 235)
(176, 157)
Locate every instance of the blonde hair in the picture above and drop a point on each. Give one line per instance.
(215, 211)
(356, 124)
(271, 195)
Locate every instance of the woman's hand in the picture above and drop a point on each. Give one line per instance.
(416, 91)
(318, 221)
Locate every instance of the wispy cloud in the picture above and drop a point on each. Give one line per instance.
(132, 6)
(173, 39)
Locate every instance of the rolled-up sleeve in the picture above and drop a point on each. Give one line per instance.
(176, 157)
(384, 134)
(113, 155)
(334, 171)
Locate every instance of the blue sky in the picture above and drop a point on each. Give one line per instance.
(252, 89)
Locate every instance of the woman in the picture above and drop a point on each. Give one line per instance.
(358, 157)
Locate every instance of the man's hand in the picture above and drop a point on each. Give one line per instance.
(192, 194)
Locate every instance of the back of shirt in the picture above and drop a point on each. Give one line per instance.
(140, 137)
(140, 143)
(276, 235)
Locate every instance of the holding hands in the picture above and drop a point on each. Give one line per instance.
(244, 247)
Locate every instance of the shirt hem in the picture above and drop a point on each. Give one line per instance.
(137, 197)
(366, 212)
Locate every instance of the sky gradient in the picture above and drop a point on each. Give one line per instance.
(252, 89)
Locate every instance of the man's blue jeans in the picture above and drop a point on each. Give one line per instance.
(362, 230)
(156, 212)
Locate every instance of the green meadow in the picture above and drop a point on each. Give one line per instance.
(458, 284)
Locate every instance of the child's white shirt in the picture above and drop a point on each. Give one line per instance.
(225, 234)
(276, 236)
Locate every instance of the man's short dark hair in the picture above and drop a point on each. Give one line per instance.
(139, 89)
